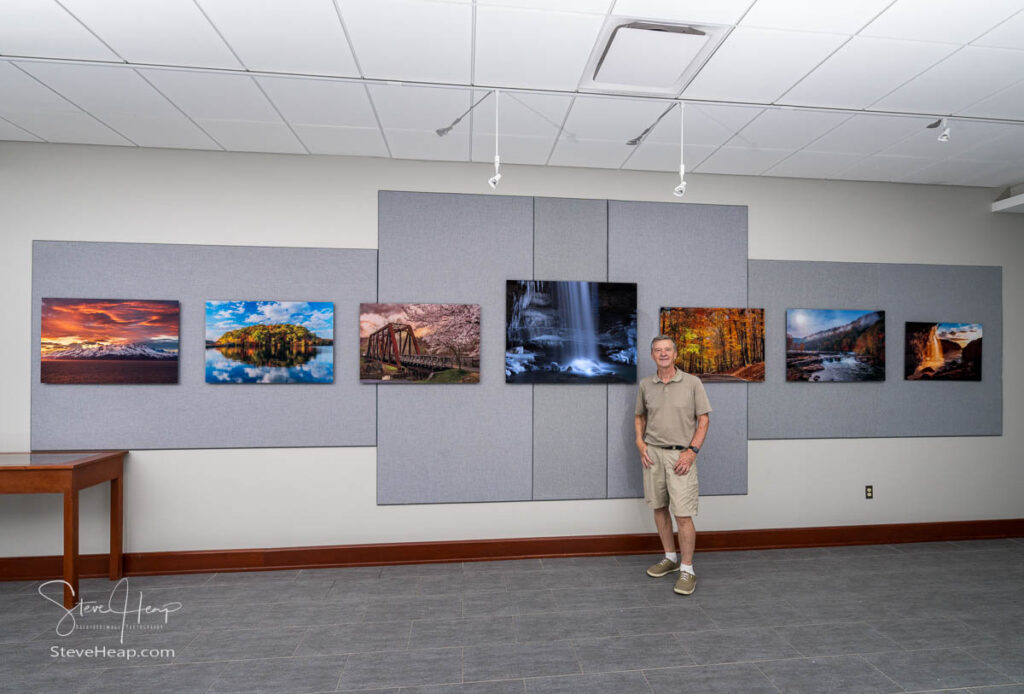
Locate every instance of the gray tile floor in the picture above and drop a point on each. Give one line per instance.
(925, 617)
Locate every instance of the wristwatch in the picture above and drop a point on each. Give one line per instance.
(694, 449)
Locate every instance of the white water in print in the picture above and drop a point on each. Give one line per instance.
(570, 332)
(577, 309)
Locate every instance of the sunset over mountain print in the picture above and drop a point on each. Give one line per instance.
(109, 341)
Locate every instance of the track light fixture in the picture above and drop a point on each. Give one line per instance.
(441, 132)
(944, 124)
(680, 190)
(493, 180)
(647, 131)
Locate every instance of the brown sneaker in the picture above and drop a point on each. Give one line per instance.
(663, 567)
(686, 583)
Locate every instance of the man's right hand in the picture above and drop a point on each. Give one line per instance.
(644, 458)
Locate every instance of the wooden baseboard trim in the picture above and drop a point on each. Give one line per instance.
(147, 563)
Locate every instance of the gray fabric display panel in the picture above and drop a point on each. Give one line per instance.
(894, 407)
(505, 442)
(459, 442)
(570, 457)
(192, 413)
(679, 255)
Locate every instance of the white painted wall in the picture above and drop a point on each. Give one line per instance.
(213, 499)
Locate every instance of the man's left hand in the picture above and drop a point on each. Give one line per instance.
(686, 460)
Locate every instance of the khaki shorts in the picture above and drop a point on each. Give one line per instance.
(663, 487)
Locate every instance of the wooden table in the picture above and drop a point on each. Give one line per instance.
(66, 473)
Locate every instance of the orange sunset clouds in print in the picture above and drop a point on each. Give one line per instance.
(109, 341)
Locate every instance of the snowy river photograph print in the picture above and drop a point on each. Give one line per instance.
(269, 342)
(570, 332)
(109, 341)
(943, 352)
(835, 345)
(419, 343)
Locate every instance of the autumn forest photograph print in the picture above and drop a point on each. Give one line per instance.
(717, 344)
(109, 341)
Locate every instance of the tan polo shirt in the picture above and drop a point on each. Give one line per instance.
(671, 408)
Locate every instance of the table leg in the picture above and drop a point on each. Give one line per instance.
(70, 548)
(116, 528)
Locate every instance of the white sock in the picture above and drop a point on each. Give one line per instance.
(672, 555)
(688, 568)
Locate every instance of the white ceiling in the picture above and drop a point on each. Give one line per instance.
(798, 88)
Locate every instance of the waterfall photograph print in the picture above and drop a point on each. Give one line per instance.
(829, 345)
(269, 342)
(943, 352)
(419, 343)
(718, 345)
(109, 341)
(570, 332)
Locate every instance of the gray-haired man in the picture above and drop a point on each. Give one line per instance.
(671, 422)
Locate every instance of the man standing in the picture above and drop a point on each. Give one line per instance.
(671, 423)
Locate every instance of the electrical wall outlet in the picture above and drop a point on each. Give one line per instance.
(869, 491)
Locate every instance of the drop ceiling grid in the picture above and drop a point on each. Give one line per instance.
(168, 32)
(731, 75)
(551, 49)
(43, 27)
(951, 21)
(834, 47)
(54, 101)
(1009, 34)
(656, 156)
(859, 138)
(1008, 103)
(300, 36)
(864, 70)
(697, 11)
(328, 117)
(435, 38)
(231, 108)
(828, 17)
(529, 126)
(11, 131)
(32, 106)
(968, 75)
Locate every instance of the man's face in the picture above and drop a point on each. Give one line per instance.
(664, 353)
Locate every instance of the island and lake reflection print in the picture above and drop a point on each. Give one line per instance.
(269, 342)
(835, 345)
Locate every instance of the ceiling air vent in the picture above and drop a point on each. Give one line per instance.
(649, 58)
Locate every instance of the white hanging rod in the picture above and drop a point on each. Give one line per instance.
(516, 90)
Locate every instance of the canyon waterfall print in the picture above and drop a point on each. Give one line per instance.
(109, 341)
(269, 342)
(717, 344)
(831, 345)
(570, 332)
(942, 352)
(419, 343)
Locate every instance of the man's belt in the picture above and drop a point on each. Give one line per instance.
(669, 448)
